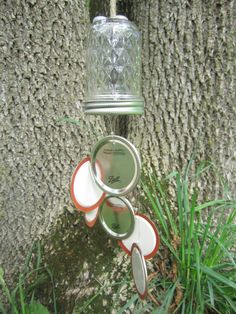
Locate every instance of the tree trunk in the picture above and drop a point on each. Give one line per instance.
(42, 76)
(188, 83)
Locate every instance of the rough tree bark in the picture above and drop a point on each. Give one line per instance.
(41, 83)
(188, 85)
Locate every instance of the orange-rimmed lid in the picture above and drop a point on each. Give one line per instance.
(145, 235)
(85, 193)
(139, 271)
(91, 217)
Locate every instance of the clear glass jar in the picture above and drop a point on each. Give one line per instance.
(113, 66)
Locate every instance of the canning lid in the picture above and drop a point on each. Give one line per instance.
(116, 215)
(91, 217)
(119, 163)
(139, 270)
(145, 234)
(85, 193)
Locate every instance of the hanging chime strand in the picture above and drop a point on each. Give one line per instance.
(113, 120)
(112, 8)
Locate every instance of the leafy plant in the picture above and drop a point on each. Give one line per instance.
(200, 256)
(21, 299)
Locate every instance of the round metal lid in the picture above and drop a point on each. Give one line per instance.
(139, 270)
(99, 18)
(120, 17)
(116, 215)
(85, 193)
(91, 217)
(119, 163)
(145, 235)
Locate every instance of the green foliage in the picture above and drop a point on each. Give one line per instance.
(200, 250)
(36, 308)
(21, 299)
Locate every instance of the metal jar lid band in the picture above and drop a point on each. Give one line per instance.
(119, 162)
(116, 215)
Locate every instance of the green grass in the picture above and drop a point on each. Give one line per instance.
(22, 298)
(200, 248)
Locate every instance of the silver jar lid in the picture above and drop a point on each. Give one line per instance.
(139, 270)
(116, 215)
(119, 165)
(99, 18)
(120, 17)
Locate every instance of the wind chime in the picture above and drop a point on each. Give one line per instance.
(101, 181)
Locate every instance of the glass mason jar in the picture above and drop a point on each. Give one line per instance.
(113, 66)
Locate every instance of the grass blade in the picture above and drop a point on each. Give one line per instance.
(218, 276)
(224, 296)
(190, 234)
(53, 290)
(22, 296)
(167, 208)
(6, 291)
(214, 203)
(134, 298)
(156, 207)
(167, 301)
(211, 293)
(170, 247)
(181, 219)
(199, 275)
(2, 309)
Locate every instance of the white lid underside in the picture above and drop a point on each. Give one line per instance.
(86, 191)
(144, 235)
(91, 215)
